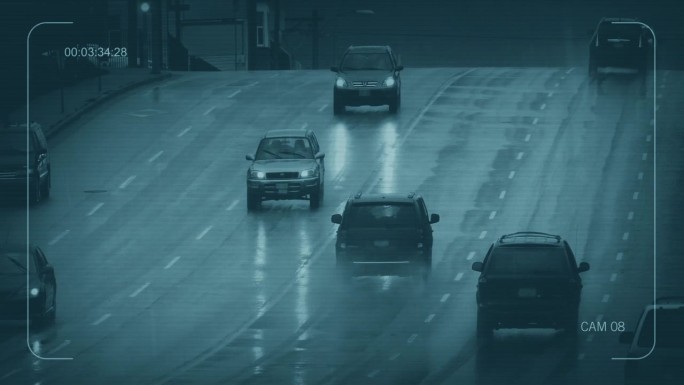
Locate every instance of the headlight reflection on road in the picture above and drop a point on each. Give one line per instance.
(341, 139)
(388, 136)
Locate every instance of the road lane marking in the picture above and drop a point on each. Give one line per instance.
(394, 356)
(660, 96)
(444, 297)
(550, 94)
(429, 318)
(234, 93)
(94, 209)
(185, 131)
(502, 194)
(305, 125)
(644, 156)
(10, 374)
(511, 174)
(605, 298)
(155, 156)
(599, 318)
(207, 112)
(625, 236)
(613, 277)
(648, 138)
(203, 233)
(543, 106)
(59, 347)
(140, 290)
(492, 214)
(562, 77)
(232, 205)
(458, 277)
(170, 264)
(619, 256)
(59, 237)
(412, 338)
(322, 108)
(590, 338)
(373, 373)
(635, 196)
(101, 319)
(630, 216)
(127, 182)
(535, 120)
(483, 234)
(520, 155)
(640, 176)
(252, 84)
(570, 70)
(657, 107)
(556, 85)
(471, 255)
(528, 137)
(581, 356)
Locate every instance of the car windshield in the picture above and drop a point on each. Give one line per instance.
(669, 331)
(284, 148)
(528, 260)
(13, 142)
(12, 263)
(619, 31)
(366, 61)
(378, 215)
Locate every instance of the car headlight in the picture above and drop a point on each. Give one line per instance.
(340, 82)
(34, 292)
(257, 174)
(308, 173)
(389, 82)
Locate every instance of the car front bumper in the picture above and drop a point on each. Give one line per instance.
(377, 96)
(271, 189)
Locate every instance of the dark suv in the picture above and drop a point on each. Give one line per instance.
(288, 164)
(528, 280)
(367, 76)
(14, 169)
(382, 234)
(619, 45)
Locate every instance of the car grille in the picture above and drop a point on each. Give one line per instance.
(365, 84)
(282, 175)
(291, 188)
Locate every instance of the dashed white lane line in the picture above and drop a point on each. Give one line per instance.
(570, 70)
(394, 356)
(185, 131)
(412, 338)
(305, 125)
(492, 214)
(660, 96)
(429, 318)
(232, 205)
(635, 196)
(535, 121)
(619, 256)
(581, 356)
(483, 234)
(322, 108)
(59, 347)
(590, 337)
(511, 174)
(10, 374)
(155, 156)
(640, 176)
(58, 237)
(94, 209)
(173, 262)
(252, 84)
(644, 156)
(127, 182)
(605, 298)
(543, 106)
(203, 233)
(445, 297)
(458, 277)
(625, 236)
(373, 373)
(613, 277)
(139, 290)
(651, 121)
(275, 75)
(550, 94)
(234, 93)
(528, 137)
(562, 77)
(520, 155)
(599, 318)
(471, 255)
(556, 85)
(101, 319)
(502, 194)
(648, 138)
(630, 215)
(207, 112)
(657, 107)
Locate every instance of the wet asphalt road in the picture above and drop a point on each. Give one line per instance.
(164, 278)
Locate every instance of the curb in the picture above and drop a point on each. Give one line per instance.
(95, 102)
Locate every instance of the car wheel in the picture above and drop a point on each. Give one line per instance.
(253, 202)
(485, 328)
(36, 194)
(395, 104)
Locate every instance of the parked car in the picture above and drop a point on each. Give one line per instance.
(19, 162)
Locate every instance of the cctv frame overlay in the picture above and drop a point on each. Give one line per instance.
(28, 332)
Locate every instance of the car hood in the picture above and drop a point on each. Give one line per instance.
(370, 75)
(283, 165)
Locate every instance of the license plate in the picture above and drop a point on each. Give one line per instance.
(364, 93)
(381, 243)
(281, 187)
(527, 292)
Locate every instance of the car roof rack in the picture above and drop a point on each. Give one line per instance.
(411, 195)
(358, 195)
(530, 234)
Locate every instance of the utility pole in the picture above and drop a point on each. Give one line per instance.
(132, 34)
(251, 34)
(156, 36)
(314, 39)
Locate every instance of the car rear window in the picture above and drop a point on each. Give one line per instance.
(378, 215)
(528, 260)
(366, 61)
(669, 330)
(284, 148)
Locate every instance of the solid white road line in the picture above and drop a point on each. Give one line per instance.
(94, 209)
(232, 205)
(170, 264)
(101, 319)
(471, 255)
(234, 93)
(127, 182)
(185, 131)
(458, 277)
(140, 289)
(203, 233)
(59, 237)
(207, 112)
(429, 318)
(155, 156)
(444, 297)
(322, 108)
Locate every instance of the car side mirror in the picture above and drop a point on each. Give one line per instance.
(434, 218)
(477, 266)
(334, 69)
(249, 157)
(320, 155)
(626, 337)
(336, 218)
(584, 266)
(399, 67)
